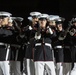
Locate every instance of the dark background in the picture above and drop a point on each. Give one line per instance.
(22, 8)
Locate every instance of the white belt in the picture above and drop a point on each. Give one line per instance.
(66, 46)
(2, 44)
(5, 44)
(46, 44)
(58, 47)
(14, 45)
(8, 49)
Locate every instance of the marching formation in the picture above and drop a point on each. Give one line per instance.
(43, 47)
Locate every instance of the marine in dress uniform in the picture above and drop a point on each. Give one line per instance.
(55, 22)
(43, 57)
(4, 46)
(72, 33)
(67, 50)
(16, 51)
(30, 33)
(58, 47)
(52, 25)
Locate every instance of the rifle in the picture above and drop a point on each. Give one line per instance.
(16, 26)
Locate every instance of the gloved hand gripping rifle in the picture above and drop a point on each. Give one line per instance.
(63, 35)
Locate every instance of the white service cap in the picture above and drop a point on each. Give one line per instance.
(18, 18)
(3, 13)
(53, 17)
(60, 19)
(44, 16)
(29, 18)
(35, 13)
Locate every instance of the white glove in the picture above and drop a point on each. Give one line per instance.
(61, 38)
(37, 37)
(30, 28)
(21, 36)
(10, 19)
(50, 30)
(72, 32)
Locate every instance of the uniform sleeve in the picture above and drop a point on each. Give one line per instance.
(5, 33)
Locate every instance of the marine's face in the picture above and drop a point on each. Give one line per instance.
(59, 27)
(42, 23)
(74, 23)
(34, 20)
(52, 23)
(5, 21)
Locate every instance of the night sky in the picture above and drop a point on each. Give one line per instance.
(22, 8)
